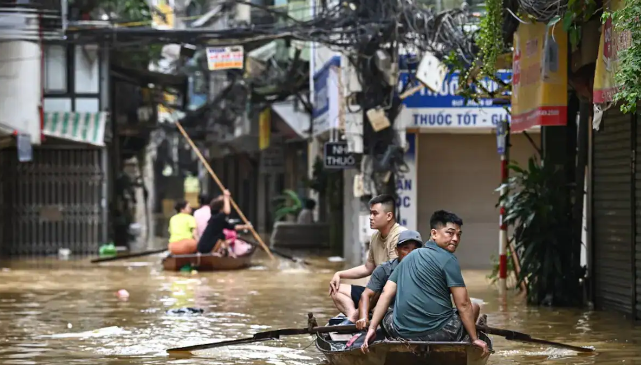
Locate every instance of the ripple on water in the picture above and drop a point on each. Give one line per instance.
(38, 301)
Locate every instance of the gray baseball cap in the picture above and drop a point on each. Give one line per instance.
(407, 236)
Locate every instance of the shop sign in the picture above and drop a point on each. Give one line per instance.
(337, 156)
(501, 137)
(225, 58)
(446, 109)
(25, 150)
(610, 46)
(272, 159)
(406, 186)
(539, 86)
(264, 129)
(325, 108)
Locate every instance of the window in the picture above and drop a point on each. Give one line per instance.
(55, 69)
(87, 76)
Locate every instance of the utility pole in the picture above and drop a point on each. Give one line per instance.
(503, 139)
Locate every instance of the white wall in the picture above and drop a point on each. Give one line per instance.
(20, 90)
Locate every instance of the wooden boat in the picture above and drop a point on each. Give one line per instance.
(208, 262)
(401, 353)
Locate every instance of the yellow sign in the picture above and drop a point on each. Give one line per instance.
(540, 77)
(164, 20)
(165, 113)
(610, 44)
(264, 128)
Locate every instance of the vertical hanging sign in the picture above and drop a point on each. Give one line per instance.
(406, 186)
(611, 44)
(25, 150)
(264, 129)
(540, 66)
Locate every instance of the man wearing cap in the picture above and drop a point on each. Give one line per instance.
(408, 241)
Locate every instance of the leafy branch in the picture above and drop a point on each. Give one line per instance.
(490, 38)
(625, 23)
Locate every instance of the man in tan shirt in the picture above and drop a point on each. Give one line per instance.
(382, 248)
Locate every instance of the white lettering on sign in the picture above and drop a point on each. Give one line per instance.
(339, 149)
(450, 87)
(451, 118)
(406, 187)
(338, 155)
(340, 160)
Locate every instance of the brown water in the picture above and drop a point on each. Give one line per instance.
(44, 304)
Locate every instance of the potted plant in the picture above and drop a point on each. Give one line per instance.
(539, 209)
(286, 204)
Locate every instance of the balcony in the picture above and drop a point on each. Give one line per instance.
(31, 21)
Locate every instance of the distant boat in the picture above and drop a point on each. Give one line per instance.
(210, 262)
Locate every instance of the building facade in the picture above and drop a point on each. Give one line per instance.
(57, 94)
(457, 166)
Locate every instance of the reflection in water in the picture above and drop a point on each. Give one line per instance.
(67, 312)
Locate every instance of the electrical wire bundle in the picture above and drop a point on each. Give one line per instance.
(543, 10)
(357, 28)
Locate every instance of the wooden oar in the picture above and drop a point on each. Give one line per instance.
(222, 188)
(522, 337)
(122, 257)
(269, 335)
(297, 260)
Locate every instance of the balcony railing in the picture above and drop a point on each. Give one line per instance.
(30, 21)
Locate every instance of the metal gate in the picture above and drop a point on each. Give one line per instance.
(56, 201)
(613, 218)
(636, 248)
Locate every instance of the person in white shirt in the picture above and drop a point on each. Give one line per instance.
(382, 248)
(202, 215)
(306, 215)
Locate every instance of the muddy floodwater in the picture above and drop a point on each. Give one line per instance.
(67, 312)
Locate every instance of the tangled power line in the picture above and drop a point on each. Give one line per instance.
(403, 30)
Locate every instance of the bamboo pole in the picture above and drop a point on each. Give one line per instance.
(222, 187)
(517, 266)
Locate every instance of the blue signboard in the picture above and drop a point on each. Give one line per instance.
(445, 109)
(325, 108)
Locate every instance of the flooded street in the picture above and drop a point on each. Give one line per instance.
(46, 304)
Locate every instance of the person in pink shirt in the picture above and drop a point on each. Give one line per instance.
(202, 215)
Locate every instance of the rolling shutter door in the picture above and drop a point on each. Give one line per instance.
(464, 181)
(637, 248)
(56, 201)
(612, 213)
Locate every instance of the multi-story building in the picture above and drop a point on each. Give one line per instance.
(57, 94)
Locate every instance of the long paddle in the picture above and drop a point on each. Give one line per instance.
(122, 257)
(522, 337)
(283, 255)
(269, 335)
(220, 185)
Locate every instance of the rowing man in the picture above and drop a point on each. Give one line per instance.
(382, 248)
(220, 209)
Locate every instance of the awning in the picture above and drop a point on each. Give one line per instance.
(292, 123)
(80, 127)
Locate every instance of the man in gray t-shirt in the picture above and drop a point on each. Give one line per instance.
(422, 284)
(408, 241)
